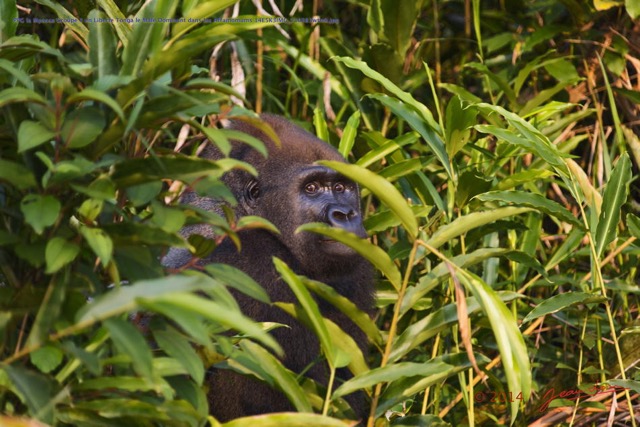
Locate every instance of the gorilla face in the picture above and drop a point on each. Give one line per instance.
(309, 193)
(291, 189)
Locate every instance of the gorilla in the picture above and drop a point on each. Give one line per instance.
(291, 189)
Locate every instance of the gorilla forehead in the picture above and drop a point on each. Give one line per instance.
(297, 146)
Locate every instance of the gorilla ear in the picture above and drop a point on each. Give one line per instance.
(251, 194)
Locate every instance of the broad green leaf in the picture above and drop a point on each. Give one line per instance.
(532, 200)
(70, 21)
(202, 10)
(382, 189)
(9, 13)
(99, 242)
(615, 195)
(470, 221)
(288, 420)
(59, 252)
(46, 358)
(82, 127)
(633, 223)
(346, 306)
(32, 134)
(322, 131)
(123, 299)
(457, 125)
(50, 308)
(284, 379)
(375, 17)
(238, 280)
(16, 174)
(349, 135)
(90, 94)
(39, 211)
(430, 136)
(434, 323)
(591, 195)
(403, 96)
(102, 45)
(152, 169)
(35, 390)
(20, 94)
(177, 346)
(393, 372)
(136, 233)
(515, 358)
(405, 388)
(211, 310)
(311, 309)
(560, 302)
(440, 272)
(387, 148)
(375, 255)
(523, 177)
(145, 40)
(130, 341)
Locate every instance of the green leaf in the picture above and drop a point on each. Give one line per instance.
(311, 309)
(633, 8)
(346, 306)
(430, 136)
(211, 310)
(282, 378)
(128, 340)
(375, 255)
(9, 13)
(59, 253)
(177, 346)
(99, 242)
(615, 195)
(32, 134)
(560, 302)
(90, 94)
(46, 358)
(288, 420)
(513, 350)
(82, 127)
(102, 45)
(434, 323)
(40, 211)
(16, 174)
(403, 96)
(20, 94)
(458, 121)
(532, 200)
(470, 221)
(382, 189)
(239, 280)
(349, 134)
(633, 223)
(34, 389)
(69, 20)
(436, 369)
(322, 131)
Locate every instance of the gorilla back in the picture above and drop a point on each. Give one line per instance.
(290, 190)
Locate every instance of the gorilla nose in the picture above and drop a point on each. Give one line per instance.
(345, 218)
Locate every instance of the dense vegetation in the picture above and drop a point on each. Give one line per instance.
(497, 145)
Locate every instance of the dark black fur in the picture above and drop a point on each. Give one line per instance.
(281, 194)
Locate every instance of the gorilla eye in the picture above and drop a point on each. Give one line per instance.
(311, 188)
(339, 187)
(253, 190)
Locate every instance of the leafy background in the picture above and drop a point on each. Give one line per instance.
(497, 147)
